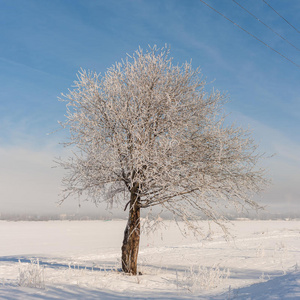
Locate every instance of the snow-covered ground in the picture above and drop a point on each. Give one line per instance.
(81, 260)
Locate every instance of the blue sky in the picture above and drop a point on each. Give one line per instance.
(44, 43)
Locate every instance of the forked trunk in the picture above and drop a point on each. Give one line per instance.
(131, 240)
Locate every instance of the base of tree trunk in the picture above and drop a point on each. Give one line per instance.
(131, 241)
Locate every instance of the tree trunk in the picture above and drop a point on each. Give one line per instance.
(131, 240)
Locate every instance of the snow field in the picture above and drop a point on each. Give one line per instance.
(81, 260)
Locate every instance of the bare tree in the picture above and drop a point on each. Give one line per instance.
(148, 129)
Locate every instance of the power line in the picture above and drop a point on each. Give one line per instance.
(281, 16)
(251, 34)
(265, 25)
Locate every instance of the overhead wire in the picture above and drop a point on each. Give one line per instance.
(255, 37)
(286, 40)
(281, 16)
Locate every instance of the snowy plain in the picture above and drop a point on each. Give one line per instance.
(81, 260)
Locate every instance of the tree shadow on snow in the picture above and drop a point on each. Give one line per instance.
(57, 265)
(272, 286)
(73, 292)
(284, 287)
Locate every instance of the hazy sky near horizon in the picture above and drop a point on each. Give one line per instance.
(44, 43)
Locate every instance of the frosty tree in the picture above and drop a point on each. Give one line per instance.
(148, 131)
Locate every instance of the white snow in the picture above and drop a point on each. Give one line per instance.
(81, 260)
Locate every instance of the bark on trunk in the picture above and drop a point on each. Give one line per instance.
(131, 240)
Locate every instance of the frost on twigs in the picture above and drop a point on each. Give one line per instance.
(199, 278)
(152, 223)
(147, 129)
(31, 274)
